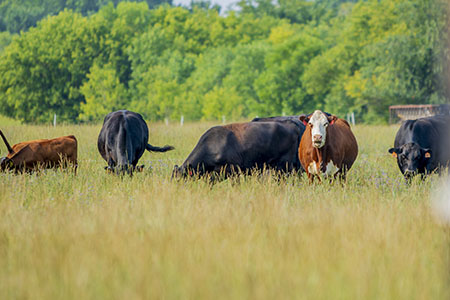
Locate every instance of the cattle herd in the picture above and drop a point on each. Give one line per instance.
(320, 144)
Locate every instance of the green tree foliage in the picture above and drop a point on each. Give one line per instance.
(5, 39)
(19, 15)
(280, 87)
(42, 71)
(388, 53)
(103, 93)
(270, 58)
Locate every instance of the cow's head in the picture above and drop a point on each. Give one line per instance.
(318, 122)
(412, 159)
(177, 172)
(6, 164)
(183, 172)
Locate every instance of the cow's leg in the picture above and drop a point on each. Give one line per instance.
(219, 173)
(310, 177)
(67, 162)
(341, 176)
(233, 173)
(74, 166)
(136, 167)
(111, 165)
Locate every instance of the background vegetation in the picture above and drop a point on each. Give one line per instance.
(95, 236)
(87, 58)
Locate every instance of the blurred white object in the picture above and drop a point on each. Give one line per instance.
(441, 201)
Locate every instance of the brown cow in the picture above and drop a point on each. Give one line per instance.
(328, 146)
(31, 155)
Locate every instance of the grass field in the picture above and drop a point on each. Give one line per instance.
(94, 235)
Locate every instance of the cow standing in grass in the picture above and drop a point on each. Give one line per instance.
(328, 147)
(422, 146)
(32, 155)
(123, 139)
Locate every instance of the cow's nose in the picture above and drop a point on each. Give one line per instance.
(410, 173)
(317, 138)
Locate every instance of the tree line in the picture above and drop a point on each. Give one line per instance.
(266, 58)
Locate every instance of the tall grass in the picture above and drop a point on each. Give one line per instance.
(95, 235)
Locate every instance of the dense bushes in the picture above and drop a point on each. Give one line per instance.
(289, 57)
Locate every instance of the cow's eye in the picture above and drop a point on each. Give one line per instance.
(326, 125)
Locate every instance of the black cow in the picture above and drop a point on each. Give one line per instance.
(283, 119)
(123, 139)
(422, 146)
(243, 146)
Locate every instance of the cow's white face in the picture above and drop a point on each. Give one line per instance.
(319, 123)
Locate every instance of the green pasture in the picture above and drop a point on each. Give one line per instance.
(97, 236)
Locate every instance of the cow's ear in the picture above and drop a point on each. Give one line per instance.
(332, 119)
(304, 119)
(393, 151)
(427, 153)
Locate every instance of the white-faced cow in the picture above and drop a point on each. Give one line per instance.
(242, 147)
(32, 155)
(123, 139)
(422, 146)
(328, 147)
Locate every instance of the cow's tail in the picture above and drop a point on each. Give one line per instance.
(8, 146)
(159, 149)
(125, 154)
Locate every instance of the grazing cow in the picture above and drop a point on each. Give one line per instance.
(123, 139)
(328, 146)
(241, 147)
(32, 155)
(422, 146)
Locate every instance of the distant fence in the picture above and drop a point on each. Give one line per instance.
(398, 113)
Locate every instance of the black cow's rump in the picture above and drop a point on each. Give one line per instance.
(244, 146)
(421, 146)
(123, 139)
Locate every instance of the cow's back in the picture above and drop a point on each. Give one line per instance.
(217, 146)
(247, 145)
(429, 133)
(271, 143)
(48, 152)
(294, 119)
